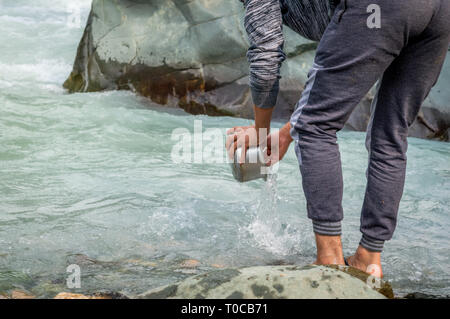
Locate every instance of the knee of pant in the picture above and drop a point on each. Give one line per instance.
(313, 134)
(389, 149)
(386, 161)
(304, 125)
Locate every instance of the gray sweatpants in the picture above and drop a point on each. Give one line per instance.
(406, 54)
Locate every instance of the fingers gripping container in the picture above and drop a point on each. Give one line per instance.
(253, 168)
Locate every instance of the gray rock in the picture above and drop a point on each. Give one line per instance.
(274, 282)
(420, 295)
(192, 54)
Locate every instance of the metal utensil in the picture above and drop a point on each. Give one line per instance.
(253, 168)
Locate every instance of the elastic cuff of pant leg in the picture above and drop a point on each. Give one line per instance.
(371, 244)
(327, 228)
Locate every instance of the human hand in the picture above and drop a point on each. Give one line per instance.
(241, 137)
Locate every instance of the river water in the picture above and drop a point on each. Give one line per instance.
(88, 179)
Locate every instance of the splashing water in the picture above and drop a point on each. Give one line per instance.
(268, 229)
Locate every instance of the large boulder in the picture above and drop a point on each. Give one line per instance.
(192, 54)
(276, 282)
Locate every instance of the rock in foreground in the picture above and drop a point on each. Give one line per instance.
(273, 282)
(68, 295)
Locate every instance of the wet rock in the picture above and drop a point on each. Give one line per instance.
(192, 55)
(18, 294)
(170, 52)
(164, 50)
(67, 295)
(420, 295)
(270, 282)
(48, 289)
(190, 263)
(142, 263)
(379, 285)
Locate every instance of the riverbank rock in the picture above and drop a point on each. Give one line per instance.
(420, 295)
(273, 282)
(18, 294)
(190, 263)
(68, 295)
(192, 55)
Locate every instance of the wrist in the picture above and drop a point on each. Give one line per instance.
(285, 133)
(262, 132)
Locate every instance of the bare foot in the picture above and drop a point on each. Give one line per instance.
(366, 261)
(329, 250)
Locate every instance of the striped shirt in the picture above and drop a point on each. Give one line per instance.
(264, 25)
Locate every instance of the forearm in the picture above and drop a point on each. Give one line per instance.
(262, 121)
(263, 116)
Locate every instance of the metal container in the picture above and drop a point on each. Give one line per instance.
(253, 168)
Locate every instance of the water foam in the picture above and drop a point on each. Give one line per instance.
(45, 71)
(267, 229)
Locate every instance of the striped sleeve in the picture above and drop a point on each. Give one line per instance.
(263, 23)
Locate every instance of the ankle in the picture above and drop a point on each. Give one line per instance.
(367, 261)
(329, 250)
(367, 257)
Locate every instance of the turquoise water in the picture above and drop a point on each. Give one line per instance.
(88, 179)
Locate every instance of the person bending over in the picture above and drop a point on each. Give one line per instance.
(404, 52)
